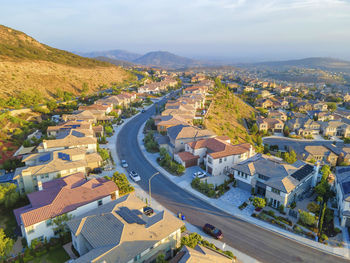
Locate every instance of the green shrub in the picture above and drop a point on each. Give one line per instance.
(313, 207)
(307, 219)
(259, 202)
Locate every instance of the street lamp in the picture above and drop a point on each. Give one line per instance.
(149, 187)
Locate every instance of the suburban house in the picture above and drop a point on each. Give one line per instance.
(277, 114)
(196, 89)
(320, 153)
(181, 134)
(53, 131)
(164, 122)
(321, 106)
(304, 126)
(120, 231)
(335, 128)
(342, 186)
(270, 124)
(43, 167)
(303, 106)
(264, 103)
(200, 254)
(107, 108)
(217, 154)
(157, 87)
(281, 183)
(92, 116)
(70, 139)
(72, 195)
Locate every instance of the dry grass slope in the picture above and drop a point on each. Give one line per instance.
(226, 115)
(26, 64)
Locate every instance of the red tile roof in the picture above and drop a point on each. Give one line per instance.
(187, 156)
(219, 148)
(61, 196)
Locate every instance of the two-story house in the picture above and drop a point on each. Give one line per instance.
(281, 183)
(44, 167)
(342, 186)
(71, 195)
(120, 231)
(217, 154)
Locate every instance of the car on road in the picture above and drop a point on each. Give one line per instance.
(143, 111)
(124, 164)
(97, 170)
(134, 176)
(213, 231)
(199, 174)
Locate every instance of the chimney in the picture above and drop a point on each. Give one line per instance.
(40, 186)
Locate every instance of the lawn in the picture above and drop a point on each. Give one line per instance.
(57, 255)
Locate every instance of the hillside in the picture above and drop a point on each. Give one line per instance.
(26, 64)
(330, 64)
(116, 62)
(165, 59)
(117, 54)
(226, 114)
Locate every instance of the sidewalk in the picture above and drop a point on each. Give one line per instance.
(228, 207)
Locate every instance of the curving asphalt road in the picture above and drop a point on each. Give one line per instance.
(257, 242)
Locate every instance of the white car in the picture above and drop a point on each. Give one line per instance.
(124, 164)
(134, 176)
(199, 174)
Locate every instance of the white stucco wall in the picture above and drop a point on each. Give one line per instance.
(41, 229)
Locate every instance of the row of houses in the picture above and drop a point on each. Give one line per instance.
(158, 87)
(104, 227)
(54, 176)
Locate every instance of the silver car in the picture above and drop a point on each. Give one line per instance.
(199, 174)
(124, 164)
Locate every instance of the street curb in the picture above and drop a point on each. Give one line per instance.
(164, 172)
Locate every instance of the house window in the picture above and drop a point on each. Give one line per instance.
(225, 159)
(262, 177)
(210, 160)
(99, 202)
(42, 176)
(137, 257)
(220, 160)
(276, 191)
(49, 222)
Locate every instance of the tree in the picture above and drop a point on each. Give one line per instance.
(259, 202)
(8, 195)
(290, 157)
(191, 240)
(103, 153)
(326, 170)
(123, 184)
(6, 244)
(307, 219)
(254, 129)
(286, 131)
(51, 105)
(160, 259)
(332, 106)
(60, 226)
(313, 207)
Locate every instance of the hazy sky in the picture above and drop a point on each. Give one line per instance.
(240, 29)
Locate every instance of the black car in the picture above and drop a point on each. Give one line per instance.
(97, 170)
(213, 231)
(148, 211)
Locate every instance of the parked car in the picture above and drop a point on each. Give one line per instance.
(120, 122)
(143, 111)
(97, 170)
(199, 174)
(134, 176)
(124, 164)
(148, 211)
(213, 231)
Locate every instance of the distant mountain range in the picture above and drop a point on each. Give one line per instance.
(162, 59)
(323, 63)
